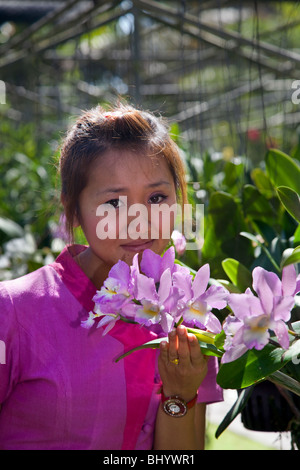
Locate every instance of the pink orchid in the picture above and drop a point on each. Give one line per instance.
(256, 315)
(154, 306)
(153, 265)
(179, 242)
(198, 300)
(116, 290)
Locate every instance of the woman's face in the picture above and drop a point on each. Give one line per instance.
(121, 177)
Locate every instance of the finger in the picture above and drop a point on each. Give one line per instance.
(173, 348)
(164, 352)
(197, 358)
(183, 346)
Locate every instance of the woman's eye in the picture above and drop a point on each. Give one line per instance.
(114, 202)
(157, 198)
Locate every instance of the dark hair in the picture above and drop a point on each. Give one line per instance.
(97, 131)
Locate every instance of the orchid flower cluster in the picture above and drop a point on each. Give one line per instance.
(160, 294)
(257, 316)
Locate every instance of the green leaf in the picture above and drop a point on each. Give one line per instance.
(220, 339)
(262, 182)
(235, 410)
(283, 380)
(210, 349)
(282, 170)
(223, 223)
(293, 257)
(256, 206)
(296, 327)
(297, 236)
(290, 200)
(253, 367)
(293, 351)
(239, 275)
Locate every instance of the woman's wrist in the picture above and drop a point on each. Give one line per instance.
(186, 396)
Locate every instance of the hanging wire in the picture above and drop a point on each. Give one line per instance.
(229, 82)
(200, 95)
(248, 110)
(181, 75)
(257, 40)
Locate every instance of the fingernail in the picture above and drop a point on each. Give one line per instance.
(191, 337)
(180, 330)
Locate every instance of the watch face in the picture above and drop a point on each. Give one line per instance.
(175, 407)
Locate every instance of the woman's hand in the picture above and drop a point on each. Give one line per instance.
(182, 366)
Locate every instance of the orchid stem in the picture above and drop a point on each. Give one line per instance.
(293, 333)
(274, 343)
(179, 322)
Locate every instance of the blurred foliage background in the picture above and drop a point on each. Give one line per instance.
(223, 72)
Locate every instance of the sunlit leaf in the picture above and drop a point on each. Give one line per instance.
(293, 257)
(290, 200)
(253, 367)
(283, 170)
(239, 275)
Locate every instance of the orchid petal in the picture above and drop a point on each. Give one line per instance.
(134, 271)
(266, 284)
(165, 285)
(167, 261)
(147, 313)
(171, 304)
(255, 337)
(231, 325)
(120, 271)
(234, 353)
(213, 324)
(179, 241)
(89, 322)
(201, 280)
(245, 305)
(195, 314)
(167, 322)
(129, 310)
(145, 288)
(109, 321)
(281, 331)
(150, 264)
(282, 308)
(297, 285)
(216, 297)
(184, 283)
(289, 277)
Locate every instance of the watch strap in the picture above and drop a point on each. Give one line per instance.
(188, 404)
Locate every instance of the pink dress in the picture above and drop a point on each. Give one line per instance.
(60, 387)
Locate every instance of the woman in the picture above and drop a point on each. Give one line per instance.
(60, 387)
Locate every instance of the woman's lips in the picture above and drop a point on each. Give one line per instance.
(137, 246)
